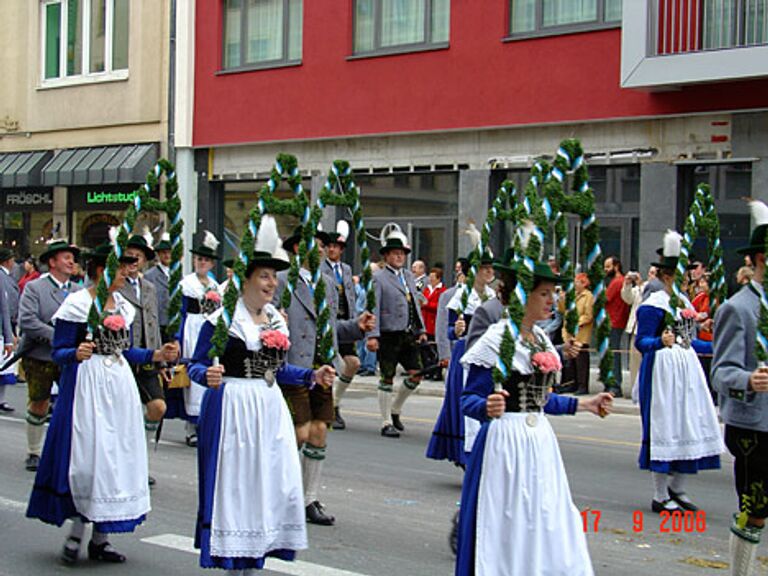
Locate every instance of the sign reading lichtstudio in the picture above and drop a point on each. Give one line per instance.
(116, 197)
(109, 198)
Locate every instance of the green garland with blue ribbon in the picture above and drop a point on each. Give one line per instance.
(580, 202)
(702, 217)
(143, 202)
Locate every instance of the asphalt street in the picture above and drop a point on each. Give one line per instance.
(393, 506)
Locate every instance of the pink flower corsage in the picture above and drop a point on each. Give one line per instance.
(546, 362)
(688, 314)
(213, 296)
(275, 339)
(114, 322)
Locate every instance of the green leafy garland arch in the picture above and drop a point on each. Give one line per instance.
(581, 202)
(285, 169)
(702, 217)
(143, 202)
(339, 190)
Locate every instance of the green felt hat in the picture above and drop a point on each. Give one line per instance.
(208, 247)
(140, 242)
(57, 246)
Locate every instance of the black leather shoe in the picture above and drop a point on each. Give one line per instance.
(32, 462)
(69, 555)
(192, 440)
(397, 423)
(338, 421)
(316, 515)
(151, 481)
(668, 505)
(683, 501)
(390, 431)
(5, 407)
(453, 537)
(100, 553)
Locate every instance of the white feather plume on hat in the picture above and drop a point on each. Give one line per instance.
(526, 231)
(267, 239)
(210, 241)
(342, 229)
(114, 231)
(147, 235)
(165, 237)
(54, 240)
(759, 213)
(473, 233)
(672, 243)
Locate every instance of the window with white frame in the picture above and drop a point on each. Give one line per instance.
(84, 38)
(532, 17)
(384, 26)
(262, 33)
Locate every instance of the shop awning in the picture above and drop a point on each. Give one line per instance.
(126, 164)
(22, 169)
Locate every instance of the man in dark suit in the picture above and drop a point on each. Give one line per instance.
(39, 302)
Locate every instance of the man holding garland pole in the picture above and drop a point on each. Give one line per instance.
(740, 376)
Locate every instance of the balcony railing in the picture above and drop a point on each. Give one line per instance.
(681, 26)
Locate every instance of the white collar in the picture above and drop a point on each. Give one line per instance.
(485, 352)
(164, 269)
(244, 328)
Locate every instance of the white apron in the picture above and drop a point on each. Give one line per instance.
(526, 520)
(193, 288)
(193, 395)
(257, 449)
(684, 423)
(108, 459)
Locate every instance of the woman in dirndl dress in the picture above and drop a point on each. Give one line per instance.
(251, 501)
(516, 506)
(681, 433)
(448, 436)
(94, 463)
(201, 296)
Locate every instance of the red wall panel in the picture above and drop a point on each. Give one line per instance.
(479, 81)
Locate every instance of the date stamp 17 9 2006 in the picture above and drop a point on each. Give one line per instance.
(669, 522)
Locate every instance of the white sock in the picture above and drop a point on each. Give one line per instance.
(660, 491)
(677, 483)
(401, 395)
(312, 461)
(385, 403)
(190, 428)
(743, 555)
(35, 434)
(76, 531)
(98, 538)
(339, 389)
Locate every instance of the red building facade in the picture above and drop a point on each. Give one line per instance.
(451, 118)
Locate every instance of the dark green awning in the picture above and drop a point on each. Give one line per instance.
(23, 169)
(126, 164)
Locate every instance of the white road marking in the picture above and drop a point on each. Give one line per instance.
(13, 505)
(296, 568)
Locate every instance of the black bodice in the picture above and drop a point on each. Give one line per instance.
(527, 392)
(239, 362)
